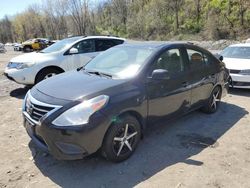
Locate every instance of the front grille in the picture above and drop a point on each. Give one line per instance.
(35, 111)
(241, 83)
(233, 71)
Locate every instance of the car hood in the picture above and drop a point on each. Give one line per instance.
(32, 57)
(237, 64)
(27, 43)
(76, 85)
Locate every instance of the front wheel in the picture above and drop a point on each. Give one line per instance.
(121, 139)
(46, 73)
(214, 100)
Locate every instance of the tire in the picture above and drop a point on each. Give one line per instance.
(27, 49)
(121, 139)
(213, 102)
(46, 73)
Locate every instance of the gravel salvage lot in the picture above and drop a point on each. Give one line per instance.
(197, 150)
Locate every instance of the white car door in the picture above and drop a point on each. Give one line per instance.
(84, 53)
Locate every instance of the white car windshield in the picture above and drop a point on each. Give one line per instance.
(120, 62)
(60, 45)
(236, 52)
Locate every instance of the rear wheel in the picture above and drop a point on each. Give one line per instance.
(213, 102)
(121, 139)
(46, 73)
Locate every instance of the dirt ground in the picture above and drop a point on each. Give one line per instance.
(197, 150)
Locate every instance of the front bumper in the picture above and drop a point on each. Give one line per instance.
(66, 143)
(240, 81)
(22, 76)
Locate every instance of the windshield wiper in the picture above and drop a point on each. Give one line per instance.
(99, 73)
(80, 68)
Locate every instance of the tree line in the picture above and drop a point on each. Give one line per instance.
(135, 19)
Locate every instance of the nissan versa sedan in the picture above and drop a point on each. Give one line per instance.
(106, 105)
(237, 60)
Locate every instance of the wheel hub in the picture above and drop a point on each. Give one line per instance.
(125, 141)
(216, 98)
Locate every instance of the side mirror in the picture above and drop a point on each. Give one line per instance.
(73, 51)
(218, 56)
(160, 74)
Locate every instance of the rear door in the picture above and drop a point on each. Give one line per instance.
(169, 96)
(203, 75)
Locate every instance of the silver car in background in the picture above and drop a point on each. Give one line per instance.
(2, 48)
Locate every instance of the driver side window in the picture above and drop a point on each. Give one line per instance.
(171, 61)
(85, 46)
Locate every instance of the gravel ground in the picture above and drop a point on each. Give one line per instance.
(197, 150)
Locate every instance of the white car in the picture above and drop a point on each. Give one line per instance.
(65, 55)
(2, 48)
(17, 47)
(237, 60)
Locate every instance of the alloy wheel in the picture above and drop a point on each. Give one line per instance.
(215, 99)
(124, 141)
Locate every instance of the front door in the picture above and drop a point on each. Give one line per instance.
(170, 96)
(86, 52)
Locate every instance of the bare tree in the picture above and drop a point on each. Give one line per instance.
(243, 6)
(176, 6)
(78, 10)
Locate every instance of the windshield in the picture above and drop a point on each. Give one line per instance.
(236, 52)
(60, 45)
(121, 62)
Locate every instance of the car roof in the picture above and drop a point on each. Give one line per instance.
(103, 37)
(155, 44)
(79, 38)
(240, 45)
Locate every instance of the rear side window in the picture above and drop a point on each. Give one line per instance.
(117, 41)
(104, 44)
(197, 59)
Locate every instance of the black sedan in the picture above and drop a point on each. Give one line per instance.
(107, 104)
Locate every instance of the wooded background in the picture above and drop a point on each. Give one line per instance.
(135, 19)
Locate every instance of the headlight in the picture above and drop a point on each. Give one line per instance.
(23, 65)
(20, 65)
(245, 72)
(79, 114)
